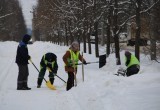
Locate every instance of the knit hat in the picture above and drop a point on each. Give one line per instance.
(75, 45)
(26, 38)
(127, 53)
(51, 57)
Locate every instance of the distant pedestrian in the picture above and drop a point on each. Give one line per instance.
(70, 58)
(132, 63)
(49, 60)
(22, 58)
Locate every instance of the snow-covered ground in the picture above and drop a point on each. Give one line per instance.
(27, 9)
(101, 90)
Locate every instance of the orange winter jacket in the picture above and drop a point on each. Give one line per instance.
(67, 56)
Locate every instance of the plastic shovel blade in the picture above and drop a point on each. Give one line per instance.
(49, 85)
(102, 60)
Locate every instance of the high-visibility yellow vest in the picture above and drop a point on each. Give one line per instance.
(46, 62)
(74, 58)
(133, 61)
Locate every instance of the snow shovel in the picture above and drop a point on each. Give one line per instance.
(48, 83)
(102, 61)
(82, 68)
(75, 78)
(75, 72)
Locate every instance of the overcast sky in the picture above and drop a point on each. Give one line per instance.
(27, 6)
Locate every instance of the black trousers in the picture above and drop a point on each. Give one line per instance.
(23, 74)
(70, 81)
(41, 76)
(134, 69)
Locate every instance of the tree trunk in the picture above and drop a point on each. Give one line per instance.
(96, 38)
(108, 31)
(154, 33)
(66, 34)
(115, 29)
(138, 28)
(103, 36)
(88, 38)
(71, 36)
(84, 42)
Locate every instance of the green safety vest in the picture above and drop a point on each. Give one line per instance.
(133, 61)
(46, 62)
(74, 58)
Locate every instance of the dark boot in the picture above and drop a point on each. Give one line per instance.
(39, 82)
(19, 86)
(51, 80)
(25, 86)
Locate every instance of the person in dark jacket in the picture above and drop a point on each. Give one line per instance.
(132, 63)
(22, 58)
(72, 56)
(49, 60)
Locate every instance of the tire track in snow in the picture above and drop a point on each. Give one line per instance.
(3, 79)
(5, 72)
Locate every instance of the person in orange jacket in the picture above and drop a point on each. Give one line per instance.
(71, 58)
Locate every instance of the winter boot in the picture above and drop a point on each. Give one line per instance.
(20, 86)
(39, 82)
(25, 86)
(51, 80)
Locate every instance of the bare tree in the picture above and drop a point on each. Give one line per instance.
(12, 24)
(68, 20)
(155, 26)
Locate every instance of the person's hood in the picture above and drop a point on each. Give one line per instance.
(26, 38)
(127, 53)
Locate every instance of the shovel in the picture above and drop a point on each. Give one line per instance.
(102, 61)
(48, 83)
(56, 75)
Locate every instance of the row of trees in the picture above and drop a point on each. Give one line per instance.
(12, 24)
(62, 21)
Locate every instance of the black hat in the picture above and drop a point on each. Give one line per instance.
(127, 53)
(51, 57)
(26, 38)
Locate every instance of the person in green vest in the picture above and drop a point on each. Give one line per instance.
(49, 60)
(132, 63)
(71, 58)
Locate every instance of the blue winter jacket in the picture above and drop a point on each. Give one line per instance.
(22, 56)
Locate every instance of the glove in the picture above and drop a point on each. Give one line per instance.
(49, 69)
(29, 57)
(84, 62)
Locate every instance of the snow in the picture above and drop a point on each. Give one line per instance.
(27, 9)
(101, 89)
